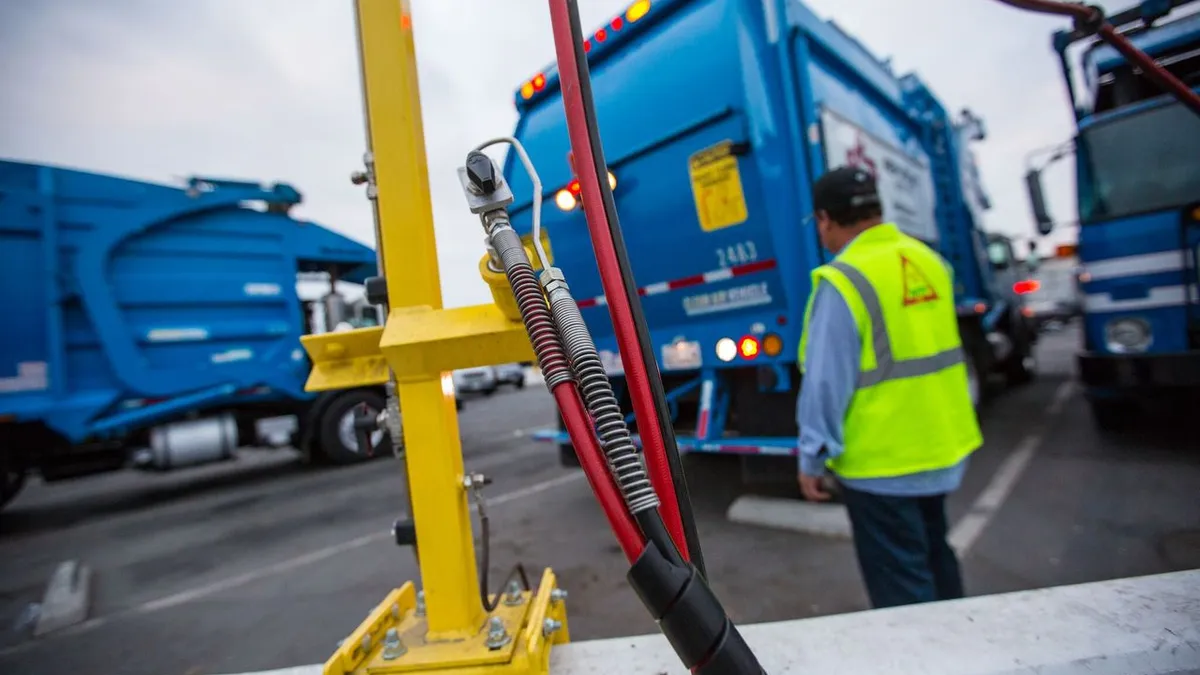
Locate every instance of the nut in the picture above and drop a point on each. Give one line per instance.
(550, 627)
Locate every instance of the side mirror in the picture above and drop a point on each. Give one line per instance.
(1037, 199)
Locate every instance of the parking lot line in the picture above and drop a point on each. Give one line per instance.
(966, 531)
(186, 596)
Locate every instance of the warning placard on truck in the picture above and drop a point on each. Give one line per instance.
(717, 187)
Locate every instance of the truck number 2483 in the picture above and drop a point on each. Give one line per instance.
(737, 254)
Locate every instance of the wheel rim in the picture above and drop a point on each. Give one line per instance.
(346, 431)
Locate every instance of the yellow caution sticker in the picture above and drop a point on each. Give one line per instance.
(717, 187)
(917, 287)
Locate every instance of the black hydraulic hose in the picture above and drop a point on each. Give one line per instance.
(662, 412)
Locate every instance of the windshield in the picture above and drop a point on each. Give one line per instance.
(1144, 162)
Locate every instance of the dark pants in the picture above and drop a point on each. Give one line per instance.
(902, 549)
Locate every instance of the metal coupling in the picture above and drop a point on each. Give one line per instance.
(393, 647)
(550, 627)
(497, 635)
(552, 280)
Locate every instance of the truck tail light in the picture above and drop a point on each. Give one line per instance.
(1026, 286)
(727, 349)
(748, 347)
(772, 344)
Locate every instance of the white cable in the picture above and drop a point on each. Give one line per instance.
(537, 193)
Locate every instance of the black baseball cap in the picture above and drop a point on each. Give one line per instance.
(844, 189)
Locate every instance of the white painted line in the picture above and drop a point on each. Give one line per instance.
(826, 520)
(176, 599)
(966, 531)
(66, 600)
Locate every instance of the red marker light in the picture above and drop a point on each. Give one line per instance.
(748, 347)
(601, 35)
(539, 81)
(1026, 286)
(618, 23)
(587, 46)
(573, 186)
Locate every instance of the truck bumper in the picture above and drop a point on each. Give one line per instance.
(1104, 371)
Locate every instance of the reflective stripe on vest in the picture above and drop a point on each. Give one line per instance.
(886, 367)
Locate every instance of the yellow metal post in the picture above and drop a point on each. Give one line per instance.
(419, 345)
(433, 451)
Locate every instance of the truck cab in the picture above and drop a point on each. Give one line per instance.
(1137, 154)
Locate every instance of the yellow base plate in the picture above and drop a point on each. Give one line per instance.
(527, 652)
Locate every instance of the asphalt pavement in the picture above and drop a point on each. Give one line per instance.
(265, 563)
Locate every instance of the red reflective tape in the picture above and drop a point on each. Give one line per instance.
(750, 268)
(694, 280)
(740, 449)
(702, 425)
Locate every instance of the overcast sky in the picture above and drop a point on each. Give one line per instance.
(269, 90)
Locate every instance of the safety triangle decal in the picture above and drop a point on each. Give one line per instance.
(917, 287)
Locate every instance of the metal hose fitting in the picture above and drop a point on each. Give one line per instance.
(538, 323)
(598, 396)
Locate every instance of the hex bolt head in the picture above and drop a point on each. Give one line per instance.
(550, 627)
(558, 595)
(393, 648)
(420, 611)
(512, 597)
(497, 635)
(358, 177)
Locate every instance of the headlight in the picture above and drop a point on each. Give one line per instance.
(1128, 335)
(726, 349)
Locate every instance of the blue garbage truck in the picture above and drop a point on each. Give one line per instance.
(716, 118)
(158, 326)
(1137, 164)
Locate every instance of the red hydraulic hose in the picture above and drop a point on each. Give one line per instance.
(1086, 15)
(579, 427)
(610, 276)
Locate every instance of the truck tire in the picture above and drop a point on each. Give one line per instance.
(979, 363)
(12, 477)
(335, 429)
(1019, 368)
(1112, 414)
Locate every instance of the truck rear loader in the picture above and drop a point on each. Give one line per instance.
(718, 115)
(159, 326)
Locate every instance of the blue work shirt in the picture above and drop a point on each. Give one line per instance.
(830, 378)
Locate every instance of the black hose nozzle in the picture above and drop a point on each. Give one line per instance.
(690, 616)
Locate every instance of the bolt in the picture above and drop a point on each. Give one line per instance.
(497, 635)
(550, 627)
(393, 648)
(396, 612)
(513, 597)
(358, 177)
(558, 595)
(420, 603)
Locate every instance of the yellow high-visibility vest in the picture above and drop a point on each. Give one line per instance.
(911, 410)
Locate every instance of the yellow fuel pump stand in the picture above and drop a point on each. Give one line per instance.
(420, 344)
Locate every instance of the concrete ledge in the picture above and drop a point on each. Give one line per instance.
(1139, 626)
(826, 520)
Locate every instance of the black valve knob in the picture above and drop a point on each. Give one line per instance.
(405, 532)
(376, 290)
(481, 172)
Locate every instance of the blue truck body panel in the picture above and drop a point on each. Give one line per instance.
(777, 84)
(138, 301)
(1138, 163)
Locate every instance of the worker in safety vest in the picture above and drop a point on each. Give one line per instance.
(884, 406)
